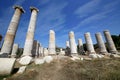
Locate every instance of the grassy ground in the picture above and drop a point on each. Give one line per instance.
(103, 69)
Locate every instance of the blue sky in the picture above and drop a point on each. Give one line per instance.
(63, 16)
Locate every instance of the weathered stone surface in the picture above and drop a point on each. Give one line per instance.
(93, 56)
(67, 44)
(100, 43)
(11, 32)
(14, 50)
(51, 48)
(72, 42)
(21, 70)
(62, 52)
(114, 56)
(41, 53)
(48, 59)
(35, 50)
(110, 43)
(45, 51)
(6, 65)
(89, 43)
(39, 61)
(75, 58)
(96, 56)
(80, 45)
(25, 60)
(30, 33)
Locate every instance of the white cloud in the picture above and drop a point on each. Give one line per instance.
(95, 17)
(87, 8)
(51, 18)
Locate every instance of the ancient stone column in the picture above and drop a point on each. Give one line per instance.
(14, 50)
(51, 48)
(89, 43)
(45, 52)
(67, 44)
(35, 48)
(30, 33)
(80, 45)
(11, 32)
(110, 43)
(73, 47)
(100, 43)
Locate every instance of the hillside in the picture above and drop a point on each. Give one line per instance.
(66, 69)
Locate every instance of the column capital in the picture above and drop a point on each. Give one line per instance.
(34, 8)
(106, 31)
(19, 7)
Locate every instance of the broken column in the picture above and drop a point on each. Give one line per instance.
(14, 50)
(45, 52)
(30, 33)
(35, 50)
(80, 45)
(67, 44)
(89, 43)
(11, 32)
(41, 51)
(72, 43)
(110, 43)
(51, 48)
(6, 65)
(100, 43)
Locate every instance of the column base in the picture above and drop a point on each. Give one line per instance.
(4, 55)
(113, 52)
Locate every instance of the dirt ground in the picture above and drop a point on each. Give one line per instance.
(66, 69)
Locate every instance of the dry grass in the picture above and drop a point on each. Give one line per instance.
(105, 69)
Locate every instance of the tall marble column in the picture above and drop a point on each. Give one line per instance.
(51, 48)
(110, 43)
(14, 50)
(80, 45)
(100, 43)
(89, 43)
(73, 47)
(30, 33)
(11, 32)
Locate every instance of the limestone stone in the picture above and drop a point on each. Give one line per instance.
(81, 48)
(110, 43)
(67, 44)
(89, 43)
(72, 42)
(39, 61)
(6, 65)
(30, 33)
(100, 43)
(11, 32)
(25, 60)
(35, 50)
(21, 70)
(51, 48)
(75, 58)
(14, 50)
(93, 56)
(96, 56)
(48, 59)
(41, 51)
(62, 52)
(45, 51)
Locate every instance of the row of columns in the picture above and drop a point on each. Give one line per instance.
(28, 47)
(89, 44)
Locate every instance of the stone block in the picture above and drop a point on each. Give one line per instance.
(25, 60)
(6, 65)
